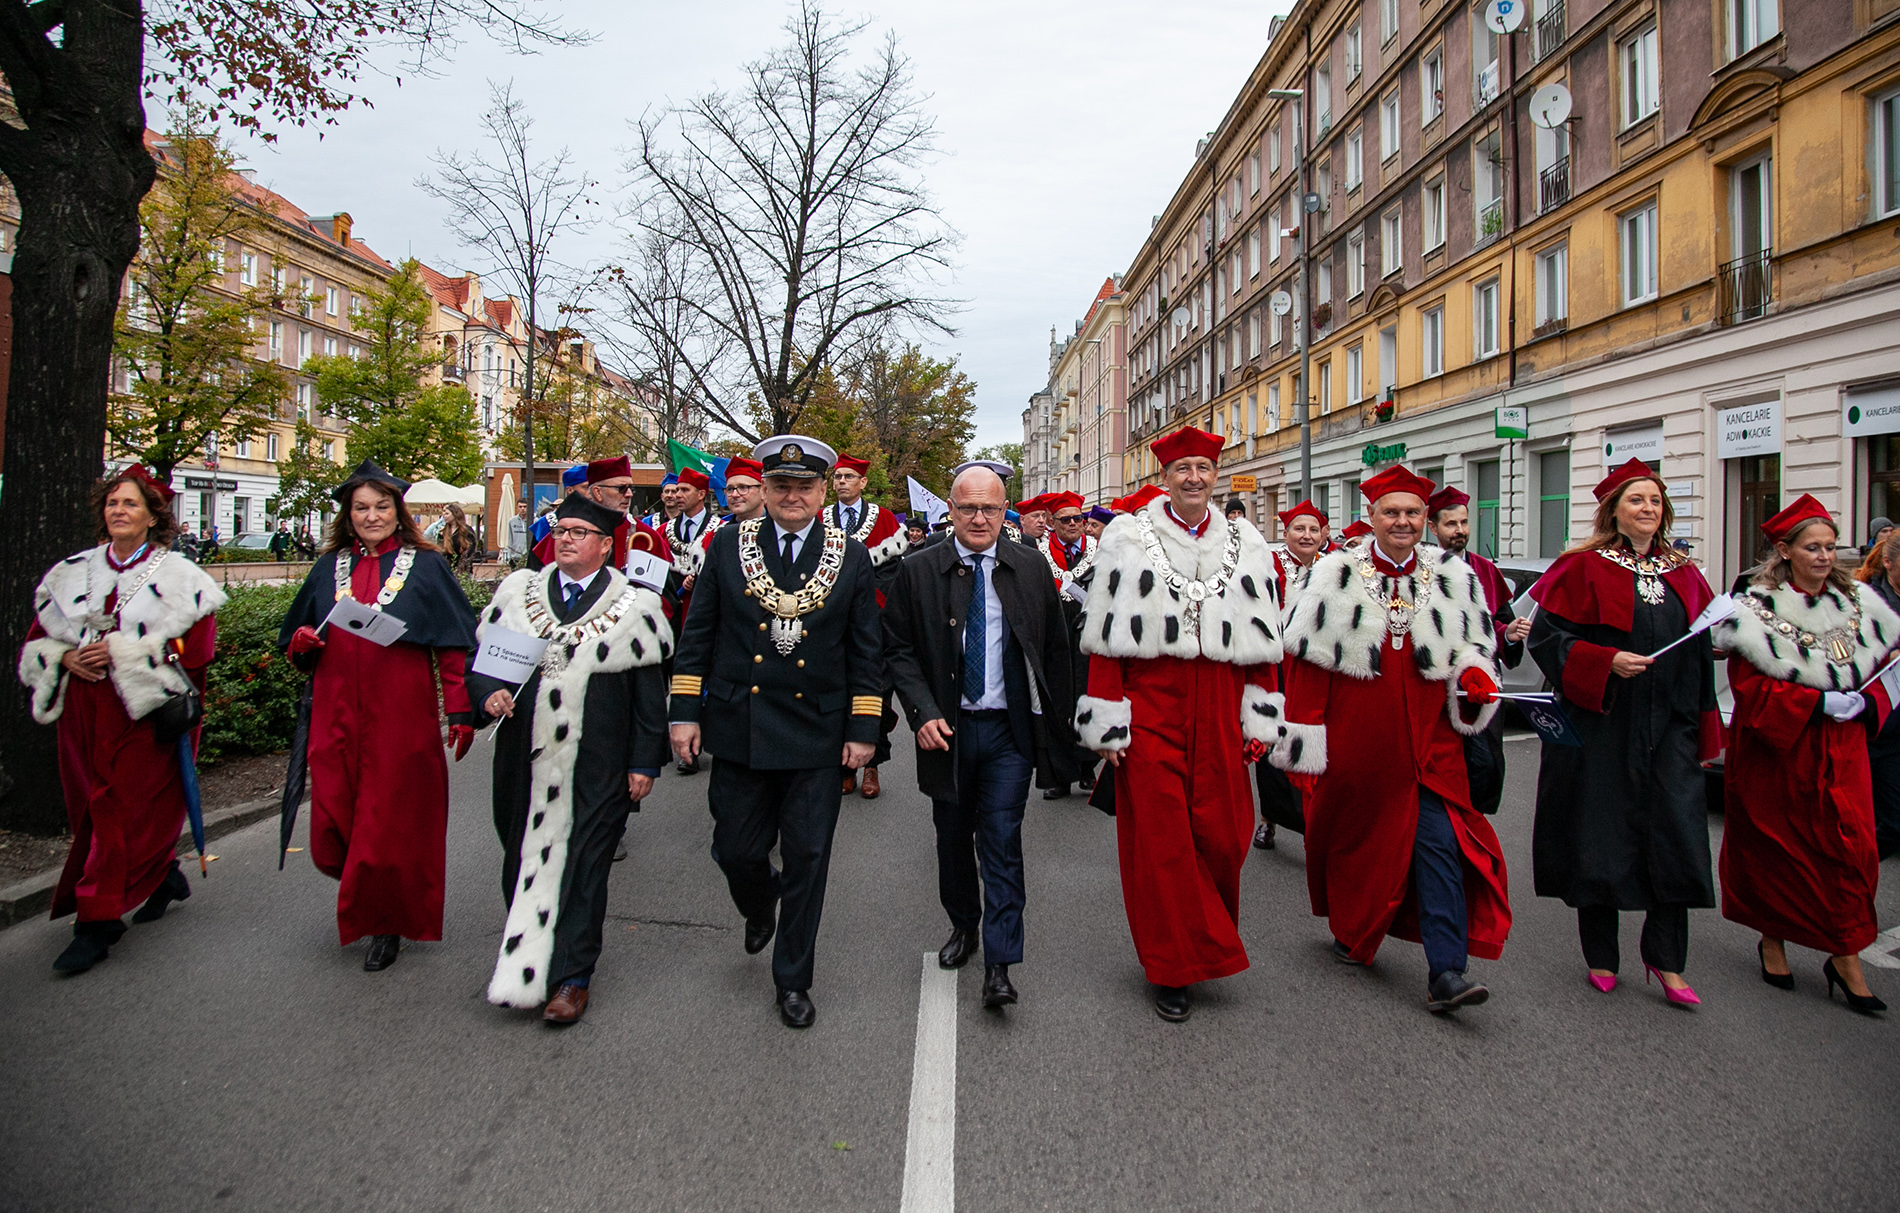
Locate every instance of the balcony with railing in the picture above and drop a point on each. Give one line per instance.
(1745, 287)
(1553, 186)
(1550, 29)
(452, 372)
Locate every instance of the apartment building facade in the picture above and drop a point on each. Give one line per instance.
(1639, 273)
(1075, 430)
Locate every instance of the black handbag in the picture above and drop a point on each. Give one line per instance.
(177, 716)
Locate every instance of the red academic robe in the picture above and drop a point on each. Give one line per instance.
(1798, 856)
(125, 793)
(379, 779)
(1385, 737)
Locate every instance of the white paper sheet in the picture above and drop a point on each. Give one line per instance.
(377, 627)
(646, 569)
(508, 656)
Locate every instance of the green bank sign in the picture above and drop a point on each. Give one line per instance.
(1374, 454)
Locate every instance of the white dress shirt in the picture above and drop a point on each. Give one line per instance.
(798, 542)
(994, 635)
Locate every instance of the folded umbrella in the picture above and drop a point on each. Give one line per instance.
(194, 802)
(296, 775)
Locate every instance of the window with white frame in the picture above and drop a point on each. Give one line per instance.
(1484, 319)
(1355, 53)
(270, 447)
(1487, 185)
(1553, 284)
(1273, 233)
(1389, 126)
(279, 280)
(303, 346)
(1273, 406)
(1355, 157)
(1253, 174)
(1388, 20)
(1322, 281)
(1275, 327)
(1355, 373)
(1253, 333)
(1637, 251)
(303, 396)
(1235, 348)
(1355, 265)
(1431, 88)
(276, 341)
(1636, 64)
(1887, 153)
(247, 268)
(1326, 386)
(1751, 23)
(1322, 100)
(1273, 148)
(329, 300)
(1391, 252)
(1432, 342)
(306, 292)
(1434, 199)
(1484, 62)
(1253, 253)
(329, 450)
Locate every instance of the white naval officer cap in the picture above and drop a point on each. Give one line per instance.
(794, 455)
(1003, 470)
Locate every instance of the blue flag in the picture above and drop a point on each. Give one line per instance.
(1551, 723)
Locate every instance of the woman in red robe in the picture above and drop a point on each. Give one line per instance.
(1799, 862)
(117, 631)
(379, 784)
(1304, 528)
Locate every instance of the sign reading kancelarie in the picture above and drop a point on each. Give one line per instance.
(1748, 429)
(1873, 410)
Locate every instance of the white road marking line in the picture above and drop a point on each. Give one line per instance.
(1880, 953)
(930, 1150)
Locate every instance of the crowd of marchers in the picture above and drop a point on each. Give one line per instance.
(1169, 661)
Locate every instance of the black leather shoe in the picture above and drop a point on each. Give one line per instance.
(91, 943)
(1171, 1003)
(1343, 955)
(957, 949)
(1450, 991)
(1057, 793)
(997, 992)
(794, 1007)
(1086, 783)
(1263, 836)
(382, 952)
(758, 932)
(620, 849)
(173, 888)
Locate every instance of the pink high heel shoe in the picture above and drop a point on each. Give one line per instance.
(1684, 997)
(1603, 984)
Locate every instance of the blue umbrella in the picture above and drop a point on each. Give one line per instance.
(194, 804)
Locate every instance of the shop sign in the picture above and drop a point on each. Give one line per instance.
(1375, 454)
(1646, 444)
(207, 483)
(1748, 429)
(1513, 421)
(1244, 484)
(1871, 411)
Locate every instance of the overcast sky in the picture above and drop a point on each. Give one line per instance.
(1064, 125)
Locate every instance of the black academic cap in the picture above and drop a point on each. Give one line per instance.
(582, 508)
(368, 473)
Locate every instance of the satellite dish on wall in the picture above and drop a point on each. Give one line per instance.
(1550, 106)
(1181, 317)
(1505, 16)
(1282, 303)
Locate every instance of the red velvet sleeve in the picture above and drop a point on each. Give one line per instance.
(451, 663)
(34, 631)
(1587, 674)
(1776, 712)
(200, 644)
(1266, 677)
(1105, 677)
(1710, 740)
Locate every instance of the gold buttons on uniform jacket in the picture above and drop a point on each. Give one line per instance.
(798, 694)
(755, 690)
(758, 657)
(801, 663)
(761, 627)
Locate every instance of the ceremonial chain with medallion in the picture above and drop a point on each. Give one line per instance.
(1077, 569)
(562, 637)
(1648, 570)
(865, 525)
(786, 608)
(1399, 613)
(101, 622)
(1839, 641)
(1196, 592)
(398, 575)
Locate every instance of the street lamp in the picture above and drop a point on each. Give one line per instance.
(1306, 313)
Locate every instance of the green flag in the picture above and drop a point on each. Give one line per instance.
(682, 456)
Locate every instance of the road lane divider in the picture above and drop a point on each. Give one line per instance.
(930, 1146)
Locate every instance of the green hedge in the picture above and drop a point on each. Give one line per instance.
(251, 690)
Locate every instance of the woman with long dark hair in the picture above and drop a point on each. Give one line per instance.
(379, 785)
(1622, 821)
(1799, 863)
(121, 635)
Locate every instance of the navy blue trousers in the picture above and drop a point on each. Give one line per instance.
(1438, 878)
(798, 810)
(982, 832)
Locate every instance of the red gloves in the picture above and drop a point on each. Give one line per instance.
(1253, 751)
(461, 736)
(1477, 686)
(305, 640)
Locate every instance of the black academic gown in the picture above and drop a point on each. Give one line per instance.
(623, 729)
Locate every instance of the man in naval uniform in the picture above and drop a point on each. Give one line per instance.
(783, 638)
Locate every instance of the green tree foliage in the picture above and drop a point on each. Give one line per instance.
(305, 478)
(1012, 454)
(919, 410)
(412, 430)
(184, 339)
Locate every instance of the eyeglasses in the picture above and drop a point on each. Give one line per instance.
(1068, 517)
(616, 488)
(575, 532)
(978, 511)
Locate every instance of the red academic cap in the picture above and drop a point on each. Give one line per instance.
(1635, 469)
(1397, 479)
(1305, 508)
(1444, 499)
(607, 469)
(693, 478)
(851, 463)
(1057, 501)
(138, 473)
(745, 469)
(1033, 505)
(1185, 443)
(1360, 526)
(1805, 509)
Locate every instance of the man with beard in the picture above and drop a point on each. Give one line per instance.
(1450, 518)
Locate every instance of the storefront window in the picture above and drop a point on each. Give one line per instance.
(1553, 503)
(1485, 498)
(1760, 500)
(1883, 476)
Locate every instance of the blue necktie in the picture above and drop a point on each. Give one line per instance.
(851, 521)
(976, 638)
(573, 591)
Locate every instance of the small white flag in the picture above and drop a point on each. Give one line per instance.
(1720, 608)
(935, 508)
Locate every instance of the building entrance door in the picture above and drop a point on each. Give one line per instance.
(1759, 499)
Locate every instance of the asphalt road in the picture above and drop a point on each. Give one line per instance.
(233, 1057)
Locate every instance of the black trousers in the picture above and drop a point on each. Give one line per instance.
(981, 833)
(797, 809)
(1665, 937)
(590, 860)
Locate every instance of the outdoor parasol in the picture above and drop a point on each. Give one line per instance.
(296, 775)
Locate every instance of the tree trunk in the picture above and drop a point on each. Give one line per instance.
(80, 169)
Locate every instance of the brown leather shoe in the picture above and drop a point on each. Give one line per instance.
(871, 787)
(567, 1006)
(850, 782)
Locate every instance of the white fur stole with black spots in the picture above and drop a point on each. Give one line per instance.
(641, 637)
(176, 596)
(1776, 650)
